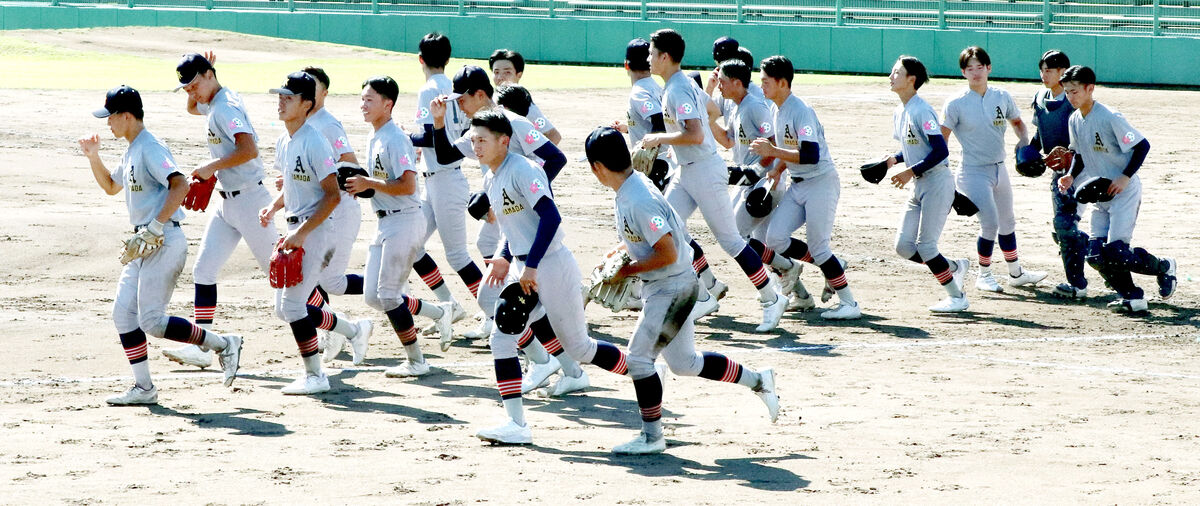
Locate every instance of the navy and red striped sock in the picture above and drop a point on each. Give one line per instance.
(205, 304)
(306, 336)
(984, 248)
(545, 335)
(134, 343)
(940, 269)
(751, 264)
(610, 358)
(508, 377)
(318, 297)
(718, 367)
(354, 284)
(471, 275)
(649, 394)
(834, 273)
(431, 275)
(798, 250)
(183, 331)
(402, 322)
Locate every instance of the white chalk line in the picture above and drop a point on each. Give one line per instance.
(905, 345)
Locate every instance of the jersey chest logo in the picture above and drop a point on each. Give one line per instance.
(999, 119)
(1099, 144)
(378, 170)
(508, 205)
(630, 235)
(911, 138)
(789, 137)
(298, 173)
(134, 186)
(212, 138)
(629, 119)
(742, 139)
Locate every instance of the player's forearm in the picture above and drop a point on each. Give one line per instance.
(192, 107)
(404, 185)
(328, 202)
(103, 177)
(424, 138)
(1022, 132)
(176, 192)
(445, 151)
(245, 151)
(664, 255)
(1140, 150)
(691, 134)
(720, 134)
(554, 159)
(348, 157)
(553, 136)
(937, 154)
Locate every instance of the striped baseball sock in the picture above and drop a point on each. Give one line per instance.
(328, 320)
(1008, 245)
(205, 305)
(508, 381)
(134, 343)
(943, 271)
(432, 276)
(402, 322)
(471, 275)
(354, 284)
(779, 262)
(700, 265)
(419, 307)
(718, 367)
(649, 394)
(609, 358)
(319, 297)
(836, 276)
(751, 264)
(798, 250)
(984, 248)
(545, 334)
(306, 340)
(183, 331)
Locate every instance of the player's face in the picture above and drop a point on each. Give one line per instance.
(898, 78)
(975, 72)
(1078, 94)
(504, 72)
(291, 108)
(198, 90)
(770, 86)
(374, 106)
(116, 126)
(1050, 77)
(488, 146)
(658, 60)
(470, 103)
(729, 86)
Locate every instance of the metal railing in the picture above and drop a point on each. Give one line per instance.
(1142, 17)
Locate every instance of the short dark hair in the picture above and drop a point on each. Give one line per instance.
(434, 49)
(669, 41)
(518, 61)
(385, 86)
(493, 120)
(515, 98)
(1054, 59)
(975, 52)
(778, 67)
(914, 68)
(1079, 74)
(746, 56)
(607, 146)
(319, 74)
(637, 54)
(735, 69)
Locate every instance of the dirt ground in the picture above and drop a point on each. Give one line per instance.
(1024, 399)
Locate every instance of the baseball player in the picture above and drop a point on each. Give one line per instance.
(508, 66)
(703, 176)
(978, 116)
(657, 241)
(923, 150)
(232, 143)
(1106, 146)
(154, 188)
(310, 194)
(445, 193)
(1051, 111)
(523, 205)
(811, 199)
(645, 108)
(393, 176)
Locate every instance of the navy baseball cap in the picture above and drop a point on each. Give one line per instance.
(120, 99)
(725, 48)
(468, 80)
(638, 50)
(192, 65)
(298, 83)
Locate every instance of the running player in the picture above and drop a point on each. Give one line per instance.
(703, 175)
(1107, 146)
(812, 198)
(645, 109)
(978, 116)
(657, 240)
(923, 149)
(154, 188)
(508, 67)
(233, 146)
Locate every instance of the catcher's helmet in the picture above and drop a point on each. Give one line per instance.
(1029, 162)
(513, 308)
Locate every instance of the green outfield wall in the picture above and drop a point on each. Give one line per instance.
(1117, 59)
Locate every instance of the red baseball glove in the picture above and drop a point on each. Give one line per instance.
(199, 193)
(286, 267)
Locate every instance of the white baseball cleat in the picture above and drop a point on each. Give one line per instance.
(951, 305)
(1027, 278)
(567, 384)
(483, 331)
(458, 314)
(135, 396)
(360, 342)
(797, 303)
(509, 433)
(772, 312)
(705, 307)
(307, 384)
(843, 311)
(718, 290)
(538, 375)
(961, 267)
(230, 356)
(987, 282)
(828, 292)
(330, 344)
(445, 330)
(1068, 291)
(766, 392)
(789, 277)
(642, 445)
(407, 370)
(1128, 306)
(190, 355)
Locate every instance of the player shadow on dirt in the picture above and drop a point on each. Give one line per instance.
(356, 398)
(240, 421)
(750, 471)
(710, 330)
(594, 406)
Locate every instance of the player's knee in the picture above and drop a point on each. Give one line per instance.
(820, 251)
(388, 303)
(290, 311)
(335, 285)
(204, 275)
(503, 345)
(579, 349)
(927, 250)
(1094, 255)
(373, 301)
(686, 365)
(153, 323)
(778, 240)
(906, 249)
(124, 318)
(458, 258)
(732, 243)
(639, 367)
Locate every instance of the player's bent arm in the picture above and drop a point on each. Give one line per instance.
(329, 201)
(1140, 150)
(348, 157)
(177, 190)
(548, 223)
(691, 134)
(403, 185)
(103, 177)
(657, 124)
(244, 150)
(554, 160)
(553, 136)
(664, 254)
(446, 152)
(1022, 131)
(192, 107)
(720, 134)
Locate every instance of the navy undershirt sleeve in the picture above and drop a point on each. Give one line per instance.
(424, 139)
(899, 156)
(554, 158)
(810, 153)
(446, 152)
(1076, 165)
(657, 124)
(547, 226)
(938, 152)
(1139, 155)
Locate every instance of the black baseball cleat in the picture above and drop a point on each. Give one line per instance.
(1167, 281)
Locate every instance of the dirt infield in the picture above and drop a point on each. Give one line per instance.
(1025, 399)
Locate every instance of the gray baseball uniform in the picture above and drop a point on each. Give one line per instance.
(347, 216)
(645, 100)
(1104, 139)
(305, 159)
(749, 120)
(979, 123)
(399, 240)
(933, 192)
(539, 119)
(446, 191)
(813, 196)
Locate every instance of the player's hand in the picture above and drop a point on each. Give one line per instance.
(294, 240)
(211, 57)
(437, 107)
(652, 140)
(1065, 182)
(902, 178)
(266, 215)
(891, 161)
(712, 82)
(620, 126)
(358, 183)
(1118, 185)
(491, 216)
(204, 171)
(762, 147)
(90, 146)
(279, 182)
(529, 280)
(497, 271)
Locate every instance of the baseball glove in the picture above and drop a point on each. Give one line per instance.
(608, 290)
(643, 159)
(286, 267)
(1059, 159)
(141, 245)
(199, 193)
